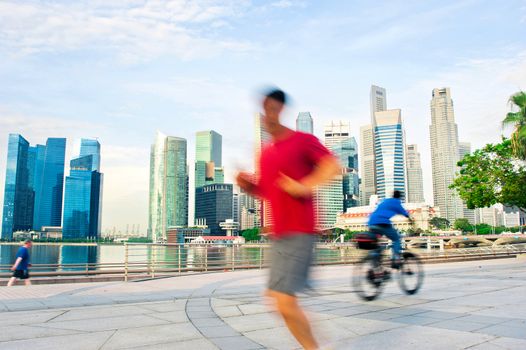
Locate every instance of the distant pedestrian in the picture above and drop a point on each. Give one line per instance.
(289, 168)
(21, 265)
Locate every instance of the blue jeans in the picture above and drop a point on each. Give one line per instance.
(390, 232)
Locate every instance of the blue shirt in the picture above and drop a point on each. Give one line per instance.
(386, 210)
(23, 253)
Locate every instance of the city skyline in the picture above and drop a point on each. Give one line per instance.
(202, 69)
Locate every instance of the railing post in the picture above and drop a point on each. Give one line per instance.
(206, 256)
(179, 257)
(125, 262)
(153, 260)
(260, 257)
(87, 269)
(233, 257)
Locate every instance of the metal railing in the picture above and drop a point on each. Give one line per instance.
(157, 260)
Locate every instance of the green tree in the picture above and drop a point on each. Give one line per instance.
(139, 240)
(484, 229)
(463, 225)
(492, 175)
(348, 234)
(252, 234)
(439, 223)
(518, 121)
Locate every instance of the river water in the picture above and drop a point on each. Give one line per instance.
(66, 255)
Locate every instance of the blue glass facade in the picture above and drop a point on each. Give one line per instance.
(49, 183)
(347, 153)
(389, 158)
(18, 192)
(214, 204)
(91, 147)
(83, 195)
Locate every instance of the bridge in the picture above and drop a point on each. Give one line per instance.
(443, 242)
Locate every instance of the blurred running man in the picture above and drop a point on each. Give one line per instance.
(289, 168)
(21, 265)
(380, 222)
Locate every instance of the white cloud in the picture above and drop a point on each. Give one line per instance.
(135, 32)
(282, 4)
(394, 27)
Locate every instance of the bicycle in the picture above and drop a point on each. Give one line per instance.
(371, 273)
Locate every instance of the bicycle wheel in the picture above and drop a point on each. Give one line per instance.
(411, 273)
(368, 278)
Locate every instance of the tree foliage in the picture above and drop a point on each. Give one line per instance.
(252, 234)
(518, 121)
(492, 175)
(463, 225)
(440, 223)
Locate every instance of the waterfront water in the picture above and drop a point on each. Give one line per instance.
(64, 255)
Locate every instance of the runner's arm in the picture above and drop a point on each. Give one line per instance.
(326, 168)
(245, 182)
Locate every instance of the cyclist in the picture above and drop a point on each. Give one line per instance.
(380, 222)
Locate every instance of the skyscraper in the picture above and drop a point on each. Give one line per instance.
(249, 211)
(18, 193)
(304, 123)
(208, 158)
(335, 132)
(262, 138)
(83, 194)
(389, 153)
(328, 202)
(91, 147)
(367, 164)
(208, 147)
(378, 103)
(168, 205)
(329, 197)
(444, 154)
(415, 184)
(339, 140)
(214, 205)
(347, 152)
(49, 182)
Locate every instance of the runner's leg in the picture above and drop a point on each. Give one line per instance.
(295, 319)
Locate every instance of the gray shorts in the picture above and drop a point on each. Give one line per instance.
(291, 259)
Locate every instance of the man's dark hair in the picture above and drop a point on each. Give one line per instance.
(28, 241)
(397, 194)
(278, 95)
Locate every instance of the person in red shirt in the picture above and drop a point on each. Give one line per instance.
(289, 168)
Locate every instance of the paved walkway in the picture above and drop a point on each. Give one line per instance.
(472, 305)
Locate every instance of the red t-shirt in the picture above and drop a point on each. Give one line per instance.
(295, 156)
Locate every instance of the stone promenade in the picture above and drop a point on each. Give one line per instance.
(472, 305)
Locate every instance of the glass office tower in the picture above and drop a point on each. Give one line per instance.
(83, 194)
(347, 153)
(91, 147)
(168, 205)
(389, 149)
(214, 205)
(18, 192)
(49, 182)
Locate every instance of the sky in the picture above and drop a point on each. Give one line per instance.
(122, 70)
